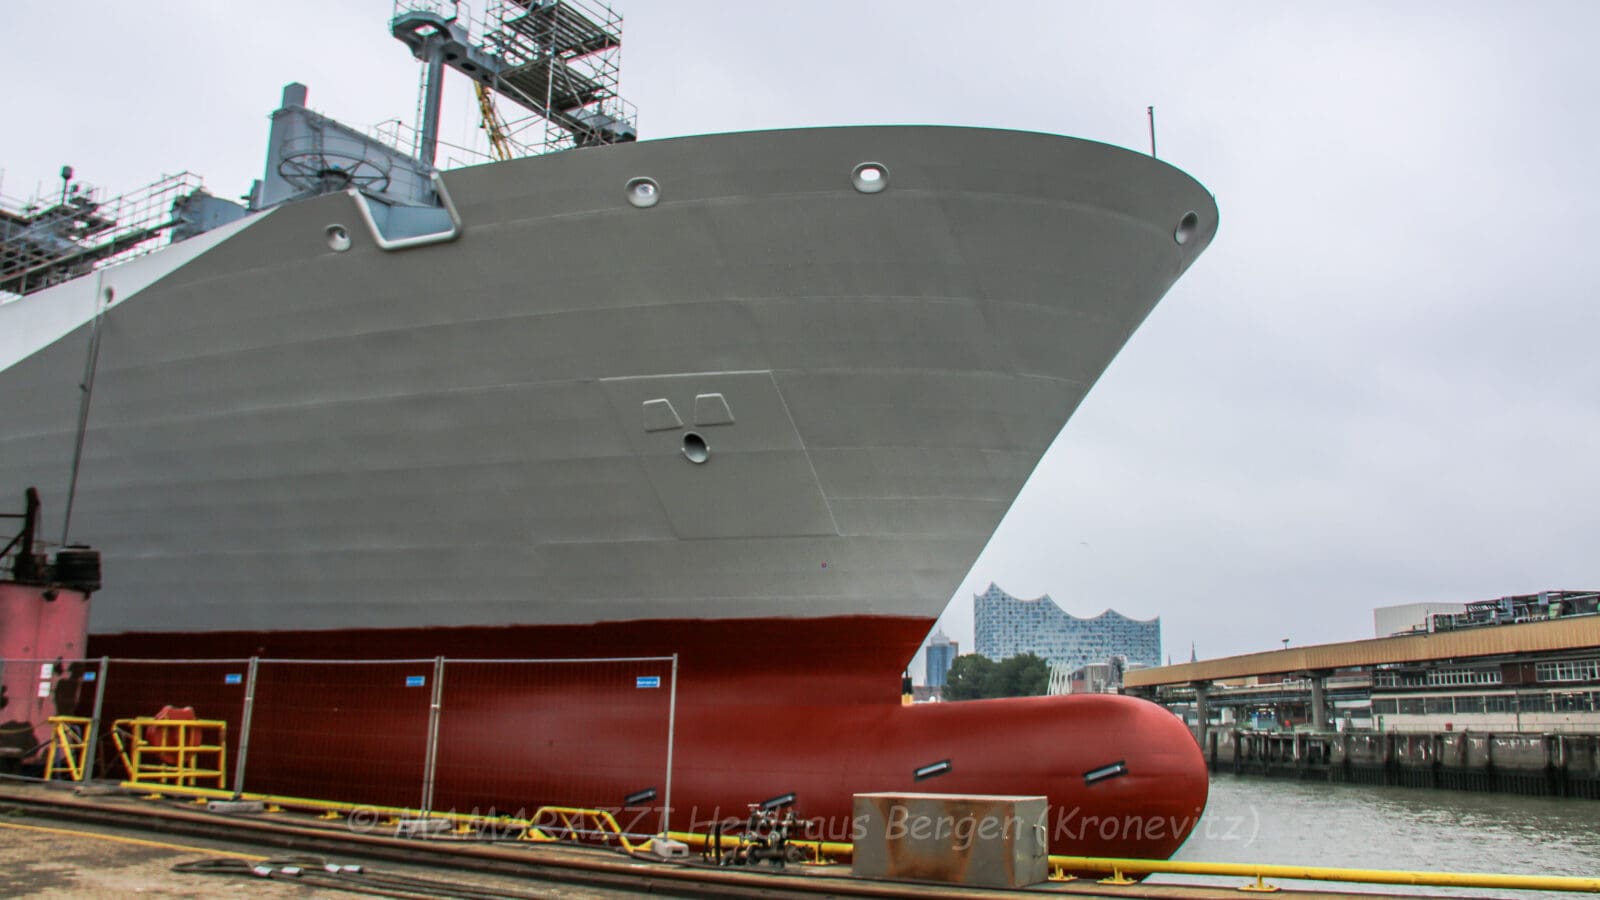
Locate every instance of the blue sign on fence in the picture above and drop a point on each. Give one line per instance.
(90, 676)
(416, 680)
(647, 681)
(233, 678)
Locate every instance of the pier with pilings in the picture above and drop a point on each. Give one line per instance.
(1558, 765)
(1510, 703)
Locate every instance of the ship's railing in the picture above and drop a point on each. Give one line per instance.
(457, 739)
(578, 42)
(46, 241)
(400, 135)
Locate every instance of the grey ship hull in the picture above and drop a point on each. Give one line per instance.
(285, 437)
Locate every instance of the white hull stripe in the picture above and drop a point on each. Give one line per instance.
(31, 323)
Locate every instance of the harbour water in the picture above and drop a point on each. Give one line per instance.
(1264, 820)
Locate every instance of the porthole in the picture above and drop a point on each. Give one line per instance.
(111, 295)
(695, 449)
(870, 177)
(338, 238)
(644, 192)
(1187, 226)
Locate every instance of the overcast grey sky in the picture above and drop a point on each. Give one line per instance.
(1378, 386)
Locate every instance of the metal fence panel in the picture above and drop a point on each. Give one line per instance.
(353, 732)
(518, 735)
(213, 689)
(472, 737)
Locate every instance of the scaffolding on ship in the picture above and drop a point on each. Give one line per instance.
(558, 60)
(45, 241)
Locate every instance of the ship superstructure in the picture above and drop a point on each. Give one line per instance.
(45, 241)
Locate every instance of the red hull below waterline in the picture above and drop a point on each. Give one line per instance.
(764, 708)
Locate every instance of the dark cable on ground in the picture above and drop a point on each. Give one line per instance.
(314, 872)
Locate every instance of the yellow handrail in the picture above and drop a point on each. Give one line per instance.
(184, 741)
(68, 739)
(574, 821)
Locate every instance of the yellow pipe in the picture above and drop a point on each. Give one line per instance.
(1328, 873)
(319, 805)
(818, 849)
(397, 812)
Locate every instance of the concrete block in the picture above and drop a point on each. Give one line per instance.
(981, 841)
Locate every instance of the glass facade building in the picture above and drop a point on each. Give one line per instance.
(941, 653)
(1007, 625)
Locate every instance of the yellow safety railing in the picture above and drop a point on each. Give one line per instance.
(1117, 871)
(69, 742)
(548, 824)
(576, 823)
(368, 812)
(172, 752)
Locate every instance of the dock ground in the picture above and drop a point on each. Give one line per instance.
(48, 858)
(57, 844)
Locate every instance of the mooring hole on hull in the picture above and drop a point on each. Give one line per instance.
(695, 448)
